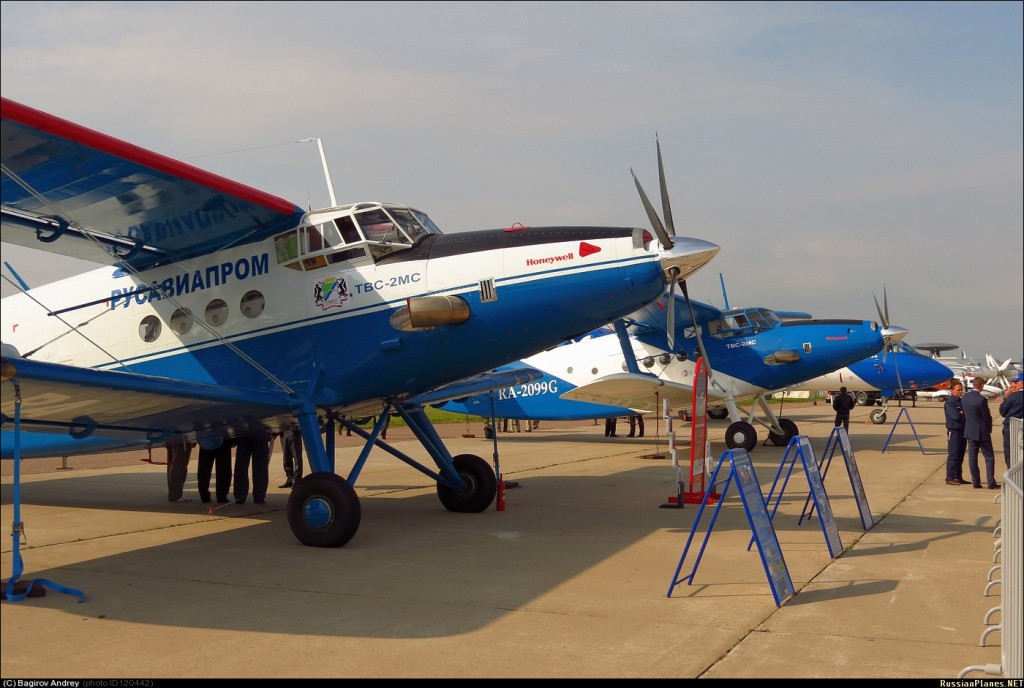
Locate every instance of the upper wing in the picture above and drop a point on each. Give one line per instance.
(787, 316)
(655, 315)
(638, 392)
(75, 191)
(86, 403)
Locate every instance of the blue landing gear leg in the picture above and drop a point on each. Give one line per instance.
(323, 509)
(466, 482)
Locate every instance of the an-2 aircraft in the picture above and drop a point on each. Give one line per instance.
(751, 352)
(228, 311)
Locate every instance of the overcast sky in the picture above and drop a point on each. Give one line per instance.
(830, 149)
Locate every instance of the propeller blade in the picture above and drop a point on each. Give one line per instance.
(882, 318)
(666, 208)
(652, 215)
(670, 321)
(696, 327)
(885, 304)
(896, 367)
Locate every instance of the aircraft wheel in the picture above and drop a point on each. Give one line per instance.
(718, 413)
(478, 486)
(323, 510)
(741, 434)
(878, 416)
(861, 398)
(789, 431)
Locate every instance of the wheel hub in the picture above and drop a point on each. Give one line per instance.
(317, 513)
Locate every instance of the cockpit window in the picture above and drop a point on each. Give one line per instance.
(409, 223)
(742, 323)
(425, 221)
(378, 226)
(352, 233)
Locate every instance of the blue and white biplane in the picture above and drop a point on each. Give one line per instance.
(224, 311)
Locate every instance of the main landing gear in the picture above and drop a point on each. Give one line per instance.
(323, 508)
(741, 433)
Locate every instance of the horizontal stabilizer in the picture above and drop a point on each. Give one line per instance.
(479, 384)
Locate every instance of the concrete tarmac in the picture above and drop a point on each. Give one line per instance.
(569, 580)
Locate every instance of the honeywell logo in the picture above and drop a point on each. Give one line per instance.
(549, 260)
(586, 249)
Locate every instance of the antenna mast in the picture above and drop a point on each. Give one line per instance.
(327, 171)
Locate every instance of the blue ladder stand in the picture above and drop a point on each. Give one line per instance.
(903, 412)
(839, 438)
(800, 446)
(768, 547)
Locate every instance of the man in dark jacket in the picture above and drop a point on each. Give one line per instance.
(978, 431)
(843, 403)
(956, 445)
(1012, 407)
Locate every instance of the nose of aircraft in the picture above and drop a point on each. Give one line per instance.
(687, 256)
(930, 372)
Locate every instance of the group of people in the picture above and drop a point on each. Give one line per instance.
(251, 453)
(969, 428)
(635, 422)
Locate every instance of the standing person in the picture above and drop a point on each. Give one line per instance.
(978, 431)
(956, 445)
(221, 458)
(843, 404)
(178, 454)
(1012, 407)
(635, 421)
(609, 427)
(291, 446)
(254, 449)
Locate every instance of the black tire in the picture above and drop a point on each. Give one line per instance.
(478, 490)
(323, 510)
(741, 435)
(862, 398)
(718, 413)
(789, 431)
(878, 416)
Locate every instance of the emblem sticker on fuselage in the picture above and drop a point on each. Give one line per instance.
(331, 293)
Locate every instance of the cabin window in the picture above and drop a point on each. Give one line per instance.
(314, 240)
(182, 321)
(287, 246)
(252, 304)
(149, 328)
(217, 312)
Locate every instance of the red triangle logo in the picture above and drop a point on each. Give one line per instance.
(586, 249)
